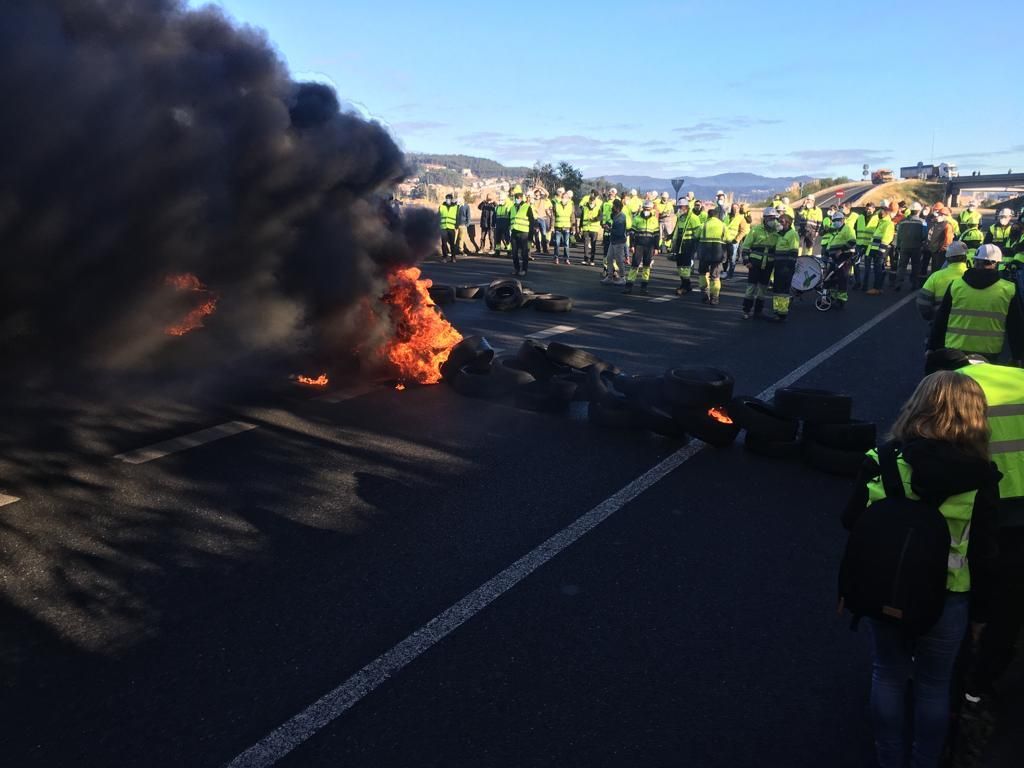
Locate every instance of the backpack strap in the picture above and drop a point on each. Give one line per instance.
(891, 480)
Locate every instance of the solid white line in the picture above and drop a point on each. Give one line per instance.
(612, 313)
(183, 443)
(5, 499)
(554, 330)
(283, 739)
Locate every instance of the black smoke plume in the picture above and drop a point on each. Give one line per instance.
(140, 140)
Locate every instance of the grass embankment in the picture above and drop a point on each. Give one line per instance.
(924, 192)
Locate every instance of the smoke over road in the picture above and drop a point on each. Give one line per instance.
(143, 142)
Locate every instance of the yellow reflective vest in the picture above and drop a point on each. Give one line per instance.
(448, 215)
(563, 214)
(934, 289)
(591, 217)
(1004, 391)
(759, 245)
(521, 217)
(977, 316)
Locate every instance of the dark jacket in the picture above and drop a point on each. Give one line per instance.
(618, 229)
(463, 216)
(940, 470)
(487, 214)
(910, 234)
(980, 278)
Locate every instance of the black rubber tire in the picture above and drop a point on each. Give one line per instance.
(504, 295)
(467, 291)
(612, 415)
(512, 372)
(698, 423)
(658, 419)
(601, 387)
(552, 303)
(763, 420)
(533, 356)
(441, 294)
(854, 435)
(773, 449)
(474, 351)
(563, 354)
(472, 383)
(833, 461)
(636, 386)
(538, 396)
(697, 386)
(816, 406)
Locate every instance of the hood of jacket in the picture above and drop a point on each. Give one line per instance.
(981, 278)
(941, 470)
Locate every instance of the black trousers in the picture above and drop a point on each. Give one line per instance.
(1007, 614)
(447, 243)
(486, 233)
(502, 234)
(520, 251)
(589, 241)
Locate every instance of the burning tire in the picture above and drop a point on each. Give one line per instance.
(442, 294)
(833, 461)
(563, 354)
(467, 291)
(697, 386)
(511, 372)
(773, 449)
(817, 406)
(504, 295)
(473, 383)
(473, 351)
(855, 435)
(763, 420)
(711, 425)
(551, 303)
(551, 396)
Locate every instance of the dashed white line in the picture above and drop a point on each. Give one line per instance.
(5, 499)
(554, 330)
(612, 313)
(286, 737)
(662, 299)
(183, 443)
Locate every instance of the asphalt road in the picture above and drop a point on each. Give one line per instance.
(176, 612)
(850, 195)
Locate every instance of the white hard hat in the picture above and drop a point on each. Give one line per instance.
(811, 198)
(613, 191)
(664, 195)
(915, 206)
(719, 193)
(769, 213)
(785, 200)
(1005, 213)
(682, 201)
(956, 248)
(632, 191)
(989, 252)
(569, 193)
(780, 209)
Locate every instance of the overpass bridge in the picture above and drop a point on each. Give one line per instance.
(1012, 182)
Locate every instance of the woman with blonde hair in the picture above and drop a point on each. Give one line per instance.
(941, 442)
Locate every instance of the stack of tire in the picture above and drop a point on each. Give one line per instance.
(832, 440)
(698, 397)
(769, 431)
(507, 295)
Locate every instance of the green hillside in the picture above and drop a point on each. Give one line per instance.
(480, 166)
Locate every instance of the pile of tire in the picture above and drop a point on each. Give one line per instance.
(507, 295)
(832, 441)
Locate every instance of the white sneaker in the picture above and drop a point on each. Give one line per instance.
(619, 281)
(606, 280)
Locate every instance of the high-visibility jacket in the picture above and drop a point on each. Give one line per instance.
(788, 244)
(852, 219)
(448, 215)
(955, 224)
(703, 216)
(1004, 391)
(591, 217)
(663, 208)
(841, 238)
(686, 230)
(646, 229)
(504, 210)
(736, 228)
(563, 214)
(810, 214)
(934, 289)
(866, 229)
(713, 232)
(973, 239)
(968, 219)
(883, 235)
(977, 317)
(521, 217)
(634, 204)
(957, 510)
(1000, 235)
(759, 244)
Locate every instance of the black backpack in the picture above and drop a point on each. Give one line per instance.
(894, 566)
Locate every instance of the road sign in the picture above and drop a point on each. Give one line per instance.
(677, 184)
(840, 193)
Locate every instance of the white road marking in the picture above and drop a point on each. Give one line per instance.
(286, 737)
(662, 299)
(5, 499)
(183, 443)
(612, 313)
(554, 330)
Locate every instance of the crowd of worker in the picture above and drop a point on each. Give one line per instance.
(868, 250)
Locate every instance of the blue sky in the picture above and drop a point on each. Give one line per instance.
(683, 88)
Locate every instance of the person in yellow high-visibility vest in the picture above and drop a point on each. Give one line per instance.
(787, 245)
(643, 247)
(563, 211)
(684, 243)
(711, 252)
(449, 212)
(522, 225)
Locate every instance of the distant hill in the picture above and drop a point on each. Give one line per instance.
(741, 185)
(480, 166)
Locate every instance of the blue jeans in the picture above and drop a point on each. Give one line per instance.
(930, 666)
(560, 239)
(874, 262)
(731, 250)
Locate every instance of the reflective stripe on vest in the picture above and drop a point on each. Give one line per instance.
(957, 510)
(713, 231)
(591, 218)
(646, 225)
(521, 217)
(866, 229)
(448, 215)
(1000, 235)
(1004, 391)
(977, 317)
(563, 215)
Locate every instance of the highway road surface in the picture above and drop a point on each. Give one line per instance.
(850, 195)
(367, 577)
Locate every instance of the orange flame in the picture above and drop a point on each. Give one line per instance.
(719, 415)
(422, 339)
(319, 381)
(194, 319)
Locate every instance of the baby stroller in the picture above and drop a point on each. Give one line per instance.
(812, 274)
